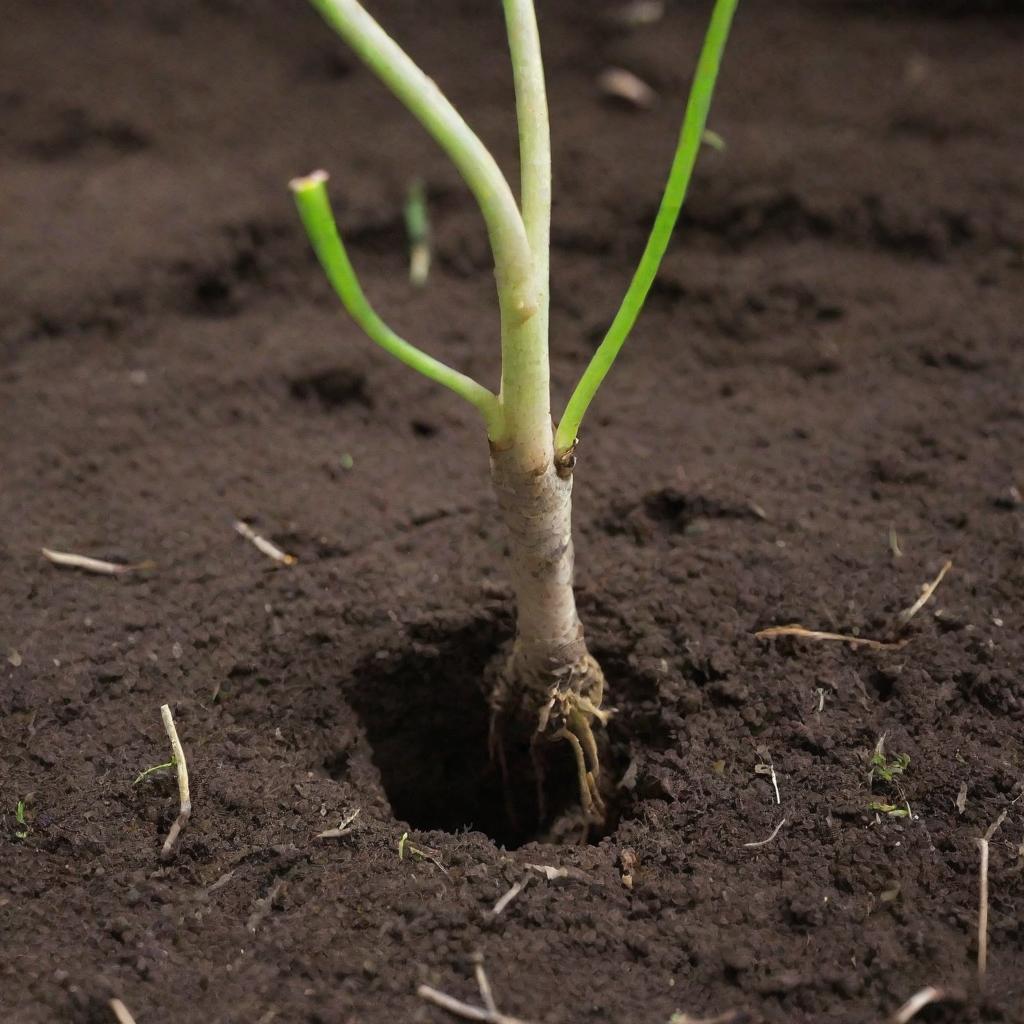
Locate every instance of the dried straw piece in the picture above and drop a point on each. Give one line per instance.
(916, 1003)
(509, 896)
(619, 84)
(120, 1011)
(765, 842)
(816, 634)
(184, 800)
(908, 613)
(489, 1012)
(262, 544)
(97, 565)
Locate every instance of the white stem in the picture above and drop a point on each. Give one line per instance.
(184, 799)
(536, 507)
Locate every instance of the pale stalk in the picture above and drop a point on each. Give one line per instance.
(550, 669)
(513, 258)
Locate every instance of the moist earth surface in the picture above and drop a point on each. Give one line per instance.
(821, 405)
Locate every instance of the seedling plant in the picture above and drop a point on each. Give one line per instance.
(549, 684)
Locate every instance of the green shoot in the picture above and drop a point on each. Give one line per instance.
(892, 810)
(315, 210)
(886, 770)
(690, 137)
(417, 227)
(19, 816)
(155, 768)
(549, 677)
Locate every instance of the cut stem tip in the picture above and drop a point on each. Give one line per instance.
(305, 182)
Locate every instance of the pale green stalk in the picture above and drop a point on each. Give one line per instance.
(525, 370)
(513, 259)
(668, 213)
(315, 210)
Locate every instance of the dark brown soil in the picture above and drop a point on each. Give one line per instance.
(833, 355)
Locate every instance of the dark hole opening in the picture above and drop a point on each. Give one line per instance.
(427, 720)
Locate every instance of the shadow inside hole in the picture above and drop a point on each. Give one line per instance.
(427, 721)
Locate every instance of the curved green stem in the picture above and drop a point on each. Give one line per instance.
(668, 213)
(315, 210)
(513, 260)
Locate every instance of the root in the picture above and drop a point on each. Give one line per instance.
(569, 700)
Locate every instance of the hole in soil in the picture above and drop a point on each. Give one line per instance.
(334, 387)
(426, 718)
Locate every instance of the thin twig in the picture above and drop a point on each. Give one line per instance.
(815, 634)
(916, 1003)
(765, 842)
(860, 641)
(464, 1010)
(184, 800)
(484, 984)
(983, 890)
(96, 565)
(264, 545)
(908, 613)
(505, 900)
(121, 1012)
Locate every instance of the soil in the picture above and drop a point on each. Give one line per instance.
(821, 405)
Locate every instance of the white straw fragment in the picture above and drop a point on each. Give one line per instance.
(765, 842)
(510, 896)
(817, 634)
(916, 1003)
(184, 800)
(926, 592)
(96, 565)
(488, 1012)
(983, 890)
(262, 544)
(120, 1011)
(620, 84)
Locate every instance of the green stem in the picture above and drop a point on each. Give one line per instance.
(525, 377)
(315, 210)
(512, 257)
(668, 213)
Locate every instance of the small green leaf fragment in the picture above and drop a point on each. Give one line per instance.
(19, 817)
(714, 140)
(150, 771)
(890, 809)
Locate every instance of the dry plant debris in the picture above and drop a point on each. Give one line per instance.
(120, 1011)
(901, 622)
(68, 560)
(268, 548)
(916, 1003)
(184, 800)
(489, 1012)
